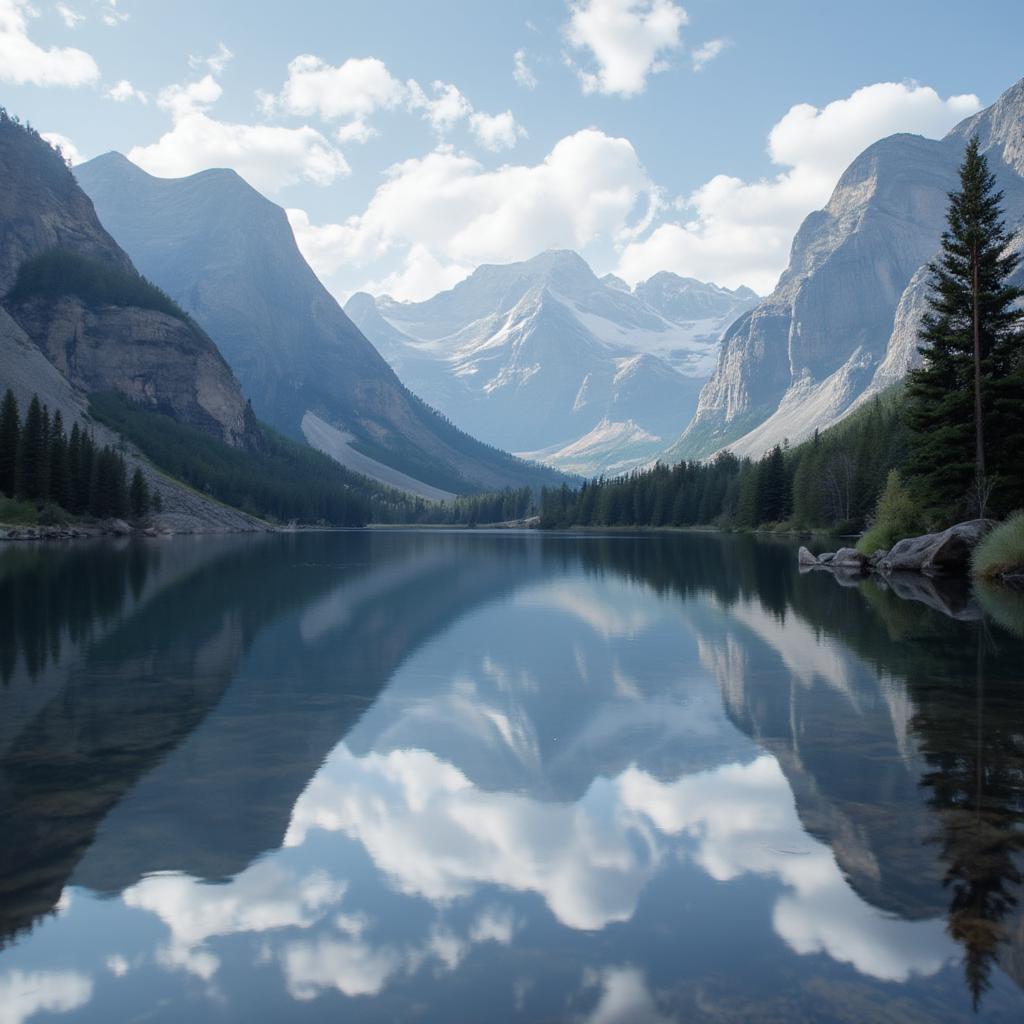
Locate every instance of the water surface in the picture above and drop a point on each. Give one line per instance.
(435, 776)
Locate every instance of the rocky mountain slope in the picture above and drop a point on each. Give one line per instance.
(54, 254)
(228, 256)
(545, 359)
(842, 323)
(64, 346)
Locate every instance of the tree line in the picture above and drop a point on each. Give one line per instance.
(41, 463)
(946, 445)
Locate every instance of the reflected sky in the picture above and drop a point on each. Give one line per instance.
(456, 776)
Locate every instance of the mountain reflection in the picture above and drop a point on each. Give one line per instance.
(392, 751)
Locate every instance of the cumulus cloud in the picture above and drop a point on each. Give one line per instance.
(496, 132)
(739, 232)
(269, 157)
(627, 40)
(23, 62)
(707, 52)
(64, 146)
(446, 212)
(445, 110)
(124, 91)
(182, 100)
(263, 898)
(521, 71)
(354, 90)
(23, 994)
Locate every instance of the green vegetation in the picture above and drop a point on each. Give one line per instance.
(60, 272)
(948, 445)
(1002, 551)
(896, 516)
(280, 480)
(832, 481)
(966, 402)
(45, 474)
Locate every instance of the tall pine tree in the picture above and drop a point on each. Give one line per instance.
(10, 429)
(960, 400)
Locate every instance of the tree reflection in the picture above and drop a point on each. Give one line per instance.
(971, 735)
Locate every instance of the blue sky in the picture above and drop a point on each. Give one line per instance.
(648, 134)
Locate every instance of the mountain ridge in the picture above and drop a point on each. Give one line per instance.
(228, 256)
(841, 325)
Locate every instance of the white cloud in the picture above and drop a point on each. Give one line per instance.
(447, 108)
(707, 52)
(69, 16)
(627, 39)
(737, 232)
(446, 210)
(496, 132)
(624, 997)
(521, 71)
(216, 62)
(262, 898)
(124, 91)
(112, 15)
(64, 146)
(23, 62)
(269, 157)
(357, 130)
(23, 994)
(354, 90)
(182, 100)
(350, 966)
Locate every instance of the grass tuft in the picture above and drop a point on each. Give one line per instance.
(1002, 551)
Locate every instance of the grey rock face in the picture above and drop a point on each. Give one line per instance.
(804, 557)
(153, 358)
(842, 323)
(229, 257)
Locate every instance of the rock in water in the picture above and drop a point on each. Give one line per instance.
(948, 551)
(804, 557)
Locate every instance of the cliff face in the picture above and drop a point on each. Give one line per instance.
(150, 356)
(842, 323)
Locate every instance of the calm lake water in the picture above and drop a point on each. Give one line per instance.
(448, 777)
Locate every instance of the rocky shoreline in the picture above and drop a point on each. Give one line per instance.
(163, 526)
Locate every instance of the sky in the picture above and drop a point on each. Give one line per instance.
(411, 142)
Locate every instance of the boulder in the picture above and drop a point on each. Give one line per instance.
(804, 557)
(849, 558)
(948, 551)
(118, 527)
(826, 556)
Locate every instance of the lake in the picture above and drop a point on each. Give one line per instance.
(497, 776)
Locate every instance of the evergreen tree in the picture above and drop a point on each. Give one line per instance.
(971, 343)
(33, 476)
(60, 476)
(139, 495)
(10, 429)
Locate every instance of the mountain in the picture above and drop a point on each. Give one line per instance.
(842, 323)
(229, 257)
(545, 359)
(69, 290)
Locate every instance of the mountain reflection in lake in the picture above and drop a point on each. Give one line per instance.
(467, 776)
